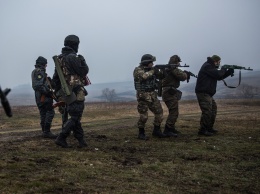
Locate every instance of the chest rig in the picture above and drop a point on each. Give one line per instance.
(147, 85)
(71, 78)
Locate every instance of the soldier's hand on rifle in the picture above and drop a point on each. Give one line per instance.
(188, 76)
(231, 72)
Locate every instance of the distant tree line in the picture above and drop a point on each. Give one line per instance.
(109, 95)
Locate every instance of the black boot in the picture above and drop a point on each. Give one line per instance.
(157, 132)
(142, 135)
(204, 132)
(47, 133)
(174, 130)
(61, 141)
(169, 132)
(82, 143)
(212, 130)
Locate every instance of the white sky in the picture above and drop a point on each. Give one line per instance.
(114, 34)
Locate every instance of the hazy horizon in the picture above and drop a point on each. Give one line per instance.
(115, 34)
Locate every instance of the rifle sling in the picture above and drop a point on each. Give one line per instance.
(238, 81)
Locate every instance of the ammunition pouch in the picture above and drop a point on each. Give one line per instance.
(175, 92)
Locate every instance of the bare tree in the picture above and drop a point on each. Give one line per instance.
(109, 95)
(247, 91)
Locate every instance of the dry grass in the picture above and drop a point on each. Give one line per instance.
(117, 162)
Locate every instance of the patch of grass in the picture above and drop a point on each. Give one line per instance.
(117, 162)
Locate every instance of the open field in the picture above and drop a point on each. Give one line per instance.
(117, 162)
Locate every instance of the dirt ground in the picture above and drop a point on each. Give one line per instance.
(115, 161)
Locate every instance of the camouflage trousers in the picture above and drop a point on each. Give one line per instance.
(208, 108)
(149, 101)
(172, 104)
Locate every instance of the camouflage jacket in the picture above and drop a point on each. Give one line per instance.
(145, 84)
(173, 78)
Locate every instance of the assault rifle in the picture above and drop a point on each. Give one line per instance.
(168, 66)
(164, 68)
(67, 93)
(226, 66)
(235, 67)
(5, 102)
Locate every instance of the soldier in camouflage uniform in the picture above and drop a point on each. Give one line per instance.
(205, 89)
(144, 80)
(75, 69)
(171, 95)
(43, 96)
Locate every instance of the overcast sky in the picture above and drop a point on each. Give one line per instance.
(114, 34)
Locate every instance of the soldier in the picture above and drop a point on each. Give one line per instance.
(205, 89)
(171, 95)
(75, 69)
(144, 80)
(43, 96)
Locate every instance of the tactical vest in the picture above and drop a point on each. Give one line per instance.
(147, 85)
(71, 79)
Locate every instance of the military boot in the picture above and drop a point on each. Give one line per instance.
(204, 132)
(157, 132)
(82, 143)
(142, 135)
(212, 130)
(169, 132)
(47, 133)
(61, 141)
(174, 130)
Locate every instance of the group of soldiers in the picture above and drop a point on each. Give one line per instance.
(75, 69)
(145, 79)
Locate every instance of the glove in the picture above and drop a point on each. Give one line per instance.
(230, 72)
(188, 76)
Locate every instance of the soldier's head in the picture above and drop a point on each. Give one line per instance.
(175, 59)
(216, 59)
(147, 59)
(41, 62)
(72, 41)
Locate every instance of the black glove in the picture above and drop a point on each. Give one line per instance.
(230, 72)
(188, 76)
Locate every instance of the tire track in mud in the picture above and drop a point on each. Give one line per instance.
(125, 122)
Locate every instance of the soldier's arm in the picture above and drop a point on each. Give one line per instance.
(142, 75)
(179, 74)
(214, 73)
(78, 65)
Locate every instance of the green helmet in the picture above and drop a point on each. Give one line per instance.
(147, 58)
(174, 59)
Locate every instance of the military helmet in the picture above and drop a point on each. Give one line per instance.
(215, 58)
(41, 61)
(71, 40)
(147, 58)
(174, 59)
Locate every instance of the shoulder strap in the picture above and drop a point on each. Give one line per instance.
(234, 86)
